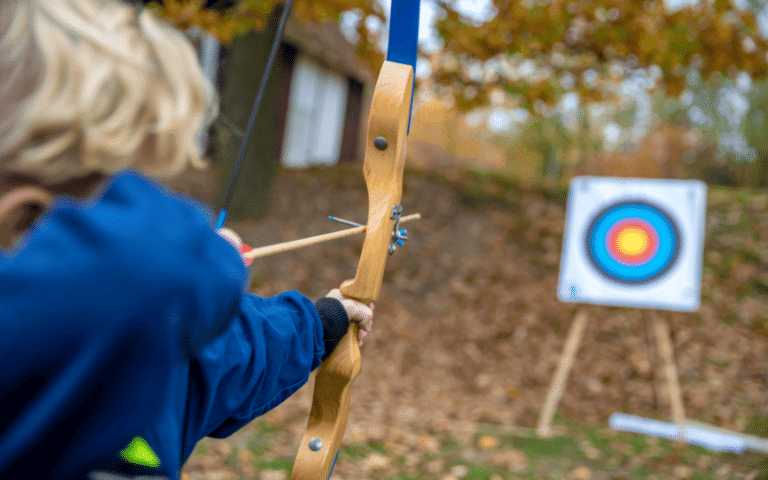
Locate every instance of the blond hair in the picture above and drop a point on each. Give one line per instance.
(93, 86)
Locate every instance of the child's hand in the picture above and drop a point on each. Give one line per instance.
(235, 240)
(356, 311)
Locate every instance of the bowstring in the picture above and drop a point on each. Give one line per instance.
(254, 113)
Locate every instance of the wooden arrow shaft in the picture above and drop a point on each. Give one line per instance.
(305, 242)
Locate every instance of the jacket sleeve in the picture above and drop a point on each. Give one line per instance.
(265, 355)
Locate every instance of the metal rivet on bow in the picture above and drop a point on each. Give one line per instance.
(380, 143)
(315, 444)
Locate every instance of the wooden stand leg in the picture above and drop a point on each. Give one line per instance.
(673, 385)
(544, 427)
(657, 369)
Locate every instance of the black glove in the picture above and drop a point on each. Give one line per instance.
(335, 322)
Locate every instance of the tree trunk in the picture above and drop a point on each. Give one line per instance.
(247, 61)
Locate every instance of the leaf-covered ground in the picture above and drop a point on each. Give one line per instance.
(468, 331)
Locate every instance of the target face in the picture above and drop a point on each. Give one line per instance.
(633, 243)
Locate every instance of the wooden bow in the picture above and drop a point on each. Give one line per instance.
(383, 172)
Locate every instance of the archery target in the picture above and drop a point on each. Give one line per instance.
(633, 242)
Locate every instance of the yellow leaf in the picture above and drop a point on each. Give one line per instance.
(487, 442)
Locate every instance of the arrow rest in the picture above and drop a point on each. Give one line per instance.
(398, 236)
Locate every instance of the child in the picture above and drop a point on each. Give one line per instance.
(126, 333)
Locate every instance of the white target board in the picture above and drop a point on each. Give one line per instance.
(633, 243)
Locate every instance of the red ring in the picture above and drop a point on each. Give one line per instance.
(632, 260)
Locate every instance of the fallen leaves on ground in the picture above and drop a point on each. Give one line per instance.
(468, 329)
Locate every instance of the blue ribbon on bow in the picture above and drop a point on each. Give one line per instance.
(404, 37)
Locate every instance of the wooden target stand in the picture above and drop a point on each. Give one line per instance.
(660, 329)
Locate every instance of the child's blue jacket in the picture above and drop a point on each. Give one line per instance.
(127, 317)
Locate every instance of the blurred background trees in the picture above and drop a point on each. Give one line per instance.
(639, 88)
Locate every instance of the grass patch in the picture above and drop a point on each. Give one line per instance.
(276, 464)
(232, 458)
(760, 285)
(758, 426)
(536, 447)
(263, 438)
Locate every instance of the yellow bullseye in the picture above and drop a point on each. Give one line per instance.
(632, 241)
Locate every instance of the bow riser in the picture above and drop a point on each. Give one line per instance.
(383, 172)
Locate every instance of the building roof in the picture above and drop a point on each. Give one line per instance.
(326, 43)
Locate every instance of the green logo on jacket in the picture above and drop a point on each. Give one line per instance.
(140, 453)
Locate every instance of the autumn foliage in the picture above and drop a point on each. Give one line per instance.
(566, 39)
(571, 38)
(248, 15)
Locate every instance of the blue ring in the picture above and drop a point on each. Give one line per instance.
(608, 266)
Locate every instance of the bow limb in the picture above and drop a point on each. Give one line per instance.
(383, 172)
